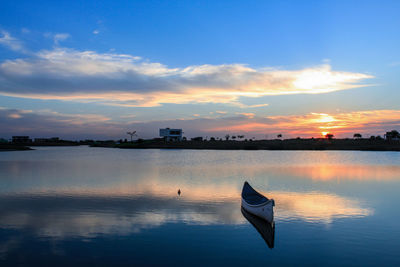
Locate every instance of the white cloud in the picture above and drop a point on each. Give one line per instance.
(96, 32)
(25, 30)
(60, 37)
(126, 80)
(7, 40)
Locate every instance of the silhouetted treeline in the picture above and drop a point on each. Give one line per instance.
(287, 144)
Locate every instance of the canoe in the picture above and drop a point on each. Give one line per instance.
(257, 204)
(264, 228)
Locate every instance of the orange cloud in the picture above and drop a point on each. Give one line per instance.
(248, 115)
(313, 124)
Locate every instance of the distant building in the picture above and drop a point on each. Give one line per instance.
(21, 140)
(171, 134)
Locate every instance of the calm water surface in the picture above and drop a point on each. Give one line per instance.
(76, 205)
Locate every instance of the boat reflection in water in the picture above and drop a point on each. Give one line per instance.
(265, 228)
(257, 204)
(259, 211)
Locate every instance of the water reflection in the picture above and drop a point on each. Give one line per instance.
(266, 229)
(88, 215)
(105, 203)
(328, 172)
(316, 207)
(149, 169)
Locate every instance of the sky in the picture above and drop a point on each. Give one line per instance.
(98, 69)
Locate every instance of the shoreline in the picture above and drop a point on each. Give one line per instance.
(278, 145)
(4, 148)
(288, 144)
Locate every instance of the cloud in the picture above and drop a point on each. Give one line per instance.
(125, 80)
(49, 123)
(80, 126)
(60, 37)
(15, 116)
(130, 116)
(25, 30)
(241, 105)
(12, 43)
(248, 114)
(313, 124)
(96, 32)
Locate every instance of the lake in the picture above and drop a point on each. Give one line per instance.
(81, 205)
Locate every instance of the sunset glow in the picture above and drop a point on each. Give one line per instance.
(132, 133)
(310, 125)
(97, 84)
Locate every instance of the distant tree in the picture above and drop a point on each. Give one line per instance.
(197, 139)
(378, 137)
(212, 138)
(132, 134)
(329, 136)
(240, 136)
(395, 133)
(392, 135)
(234, 137)
(279, 136)
(372, 137)
(357, 135)
(227, 137)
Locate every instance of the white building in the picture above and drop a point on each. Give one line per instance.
(171, 134)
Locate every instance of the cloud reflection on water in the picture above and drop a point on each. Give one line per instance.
(316, 207)
(341, 172)
(69, 194)
(86, 215)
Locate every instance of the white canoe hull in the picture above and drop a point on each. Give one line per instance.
(264, 210)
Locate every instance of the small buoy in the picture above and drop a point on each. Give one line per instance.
(179, 192)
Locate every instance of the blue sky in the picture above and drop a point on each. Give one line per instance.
(97, 69)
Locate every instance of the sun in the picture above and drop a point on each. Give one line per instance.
(324, 133)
